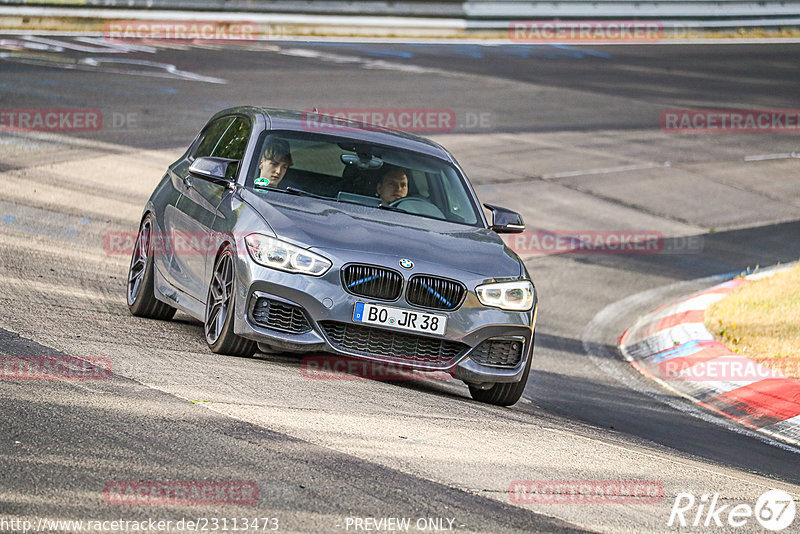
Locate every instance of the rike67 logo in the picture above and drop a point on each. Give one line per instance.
(774, 510)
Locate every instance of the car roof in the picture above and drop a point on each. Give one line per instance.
(293, 120)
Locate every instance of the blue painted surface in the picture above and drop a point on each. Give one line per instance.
(477, 51)
(11, 218)
(388, 53)
(684, 349)
(584, 52)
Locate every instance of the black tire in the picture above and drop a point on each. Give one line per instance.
(503, 394)
(140, 292)
(220, 310)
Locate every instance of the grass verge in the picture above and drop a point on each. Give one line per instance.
(761, 320)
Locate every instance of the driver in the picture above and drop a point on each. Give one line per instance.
(275, 162)
(393, 185)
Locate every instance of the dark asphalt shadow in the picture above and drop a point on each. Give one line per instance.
(626, 411)
(722, 252)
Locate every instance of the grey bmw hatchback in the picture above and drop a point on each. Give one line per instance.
(281, 231)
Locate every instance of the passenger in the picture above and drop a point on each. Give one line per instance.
(393, 185)
(275, 162)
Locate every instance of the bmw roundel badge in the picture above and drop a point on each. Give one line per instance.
(406, 264)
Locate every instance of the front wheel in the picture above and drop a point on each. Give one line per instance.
(220, 310)
(142, 300)
(505, 394)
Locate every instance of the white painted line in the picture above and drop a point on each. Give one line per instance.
(605, 170)
(91, 45)
(763, 157)
(700, 302)
(367, 63)
(685, 332)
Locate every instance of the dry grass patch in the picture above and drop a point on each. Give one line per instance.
(761, 320)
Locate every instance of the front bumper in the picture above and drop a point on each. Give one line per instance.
(327, 325)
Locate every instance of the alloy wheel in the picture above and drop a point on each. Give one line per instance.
(220, 294)
(139, 262)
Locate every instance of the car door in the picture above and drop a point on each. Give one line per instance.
(196, 209)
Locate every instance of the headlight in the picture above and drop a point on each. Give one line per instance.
(516, 296)
(278, 254)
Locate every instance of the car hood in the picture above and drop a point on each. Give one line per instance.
(328, 226)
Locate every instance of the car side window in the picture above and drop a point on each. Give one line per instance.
(234, 141)
(210, 138)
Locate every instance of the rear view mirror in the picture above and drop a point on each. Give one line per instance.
(362, 162)
(505, 221)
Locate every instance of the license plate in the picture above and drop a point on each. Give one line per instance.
(417, 321)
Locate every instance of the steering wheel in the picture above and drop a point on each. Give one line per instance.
(418, 206)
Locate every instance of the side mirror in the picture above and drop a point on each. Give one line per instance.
(218, 170)
(505, 221)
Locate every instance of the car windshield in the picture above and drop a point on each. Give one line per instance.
(352, 171)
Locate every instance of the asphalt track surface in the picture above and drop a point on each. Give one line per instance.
(567, 135)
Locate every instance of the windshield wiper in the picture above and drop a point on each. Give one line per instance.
(293, 191)
(301, 192)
